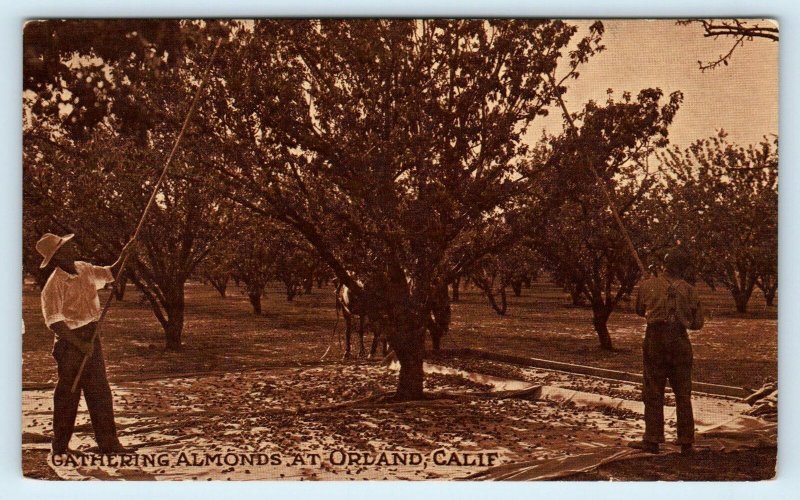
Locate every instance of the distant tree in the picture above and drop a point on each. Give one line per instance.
(266, 251)
(216, 268)
(490, 277)
(581, 243)
(574, 286)
(511, 267)
(767, 280)
(726, 201)
(322, 274)
(295, 262)
(253, 261)
(590, 259)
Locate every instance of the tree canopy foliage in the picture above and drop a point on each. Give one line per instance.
(392, 147)
(724, 198)
(392, 154)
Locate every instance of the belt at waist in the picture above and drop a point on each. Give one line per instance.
(81, 337)
(666, 328)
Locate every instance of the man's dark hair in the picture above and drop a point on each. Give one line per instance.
(677, 262)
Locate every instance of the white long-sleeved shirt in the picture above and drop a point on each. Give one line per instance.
(72, 298)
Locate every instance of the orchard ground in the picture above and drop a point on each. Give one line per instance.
(223, 339)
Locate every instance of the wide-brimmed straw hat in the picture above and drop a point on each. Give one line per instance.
(48, 245)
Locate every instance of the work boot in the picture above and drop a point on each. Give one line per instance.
(115, 449)
(644, 446)
(67, 451)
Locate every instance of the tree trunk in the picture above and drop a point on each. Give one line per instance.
(409, 384)
(500, 309)
(175, 310)
(255, 301)
(578, 300)
(436, 341)
(741, 297)
(741, 283)
(173, 330)
(405, 328)
(439, 319)
(600, 321)
(487, 287)
(438, 326)
(220, 285)
(456, 287)
(741, 302)
(172, 333)
(119, 288)
(410, 349)
(769, 296)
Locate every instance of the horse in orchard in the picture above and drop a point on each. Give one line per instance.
(439, 320)
(350, 305)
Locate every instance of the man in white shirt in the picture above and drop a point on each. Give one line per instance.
(71, 309)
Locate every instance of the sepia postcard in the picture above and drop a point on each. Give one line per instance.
(400, 249)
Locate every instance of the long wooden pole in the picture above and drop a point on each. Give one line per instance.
(607, 195)
(150, 202)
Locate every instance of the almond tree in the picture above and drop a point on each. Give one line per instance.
(102, 111)
(581, 243)
(97, 190)
(264, 251)
(83, 72)
(252, 262)
(726, 202)
(216, 269)
(512, 267)
(391, 146)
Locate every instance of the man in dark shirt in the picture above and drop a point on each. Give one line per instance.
(672, 307)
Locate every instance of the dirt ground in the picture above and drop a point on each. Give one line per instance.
(237, 374)
(289, 412)
(223, 335)
(746, 465)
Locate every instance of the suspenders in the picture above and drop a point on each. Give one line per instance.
(672, 305)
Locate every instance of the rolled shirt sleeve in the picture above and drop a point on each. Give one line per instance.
(102, 275)
(53, 302)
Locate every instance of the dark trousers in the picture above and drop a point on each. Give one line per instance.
(667, 355)
(93, 384)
